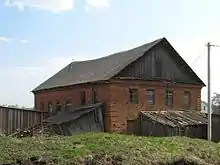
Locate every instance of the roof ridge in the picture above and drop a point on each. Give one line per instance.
(99, 69)
(123, 51)
(94, 70)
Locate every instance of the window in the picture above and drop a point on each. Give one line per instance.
(187, 99)
(83, 97)
(58, 107)
(94, 96)
(169, 98)
(42, 106)
(133, 96)
(50, 107)
(150, 96)
(68, 106)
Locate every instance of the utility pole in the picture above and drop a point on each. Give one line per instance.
(209, 100)
(209, 93)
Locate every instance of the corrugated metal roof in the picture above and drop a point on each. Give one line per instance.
(65, 117)
(176, 118)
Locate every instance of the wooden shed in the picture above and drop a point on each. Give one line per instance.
(84, 119)
(174, 123)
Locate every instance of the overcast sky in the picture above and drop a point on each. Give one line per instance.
(39, 37)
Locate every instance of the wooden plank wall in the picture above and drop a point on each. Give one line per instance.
(12, 119)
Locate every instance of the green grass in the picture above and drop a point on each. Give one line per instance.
(103, 148)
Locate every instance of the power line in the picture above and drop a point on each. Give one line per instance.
(215, 45)
(197, 58)
(202, 53)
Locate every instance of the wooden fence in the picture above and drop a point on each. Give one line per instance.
(12, 119)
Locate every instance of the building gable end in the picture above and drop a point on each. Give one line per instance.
(162, 62)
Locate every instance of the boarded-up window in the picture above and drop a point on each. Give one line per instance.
(68, 106)
(58, 106)
(50, 107)
(83, 97)
(133, 96)
(94, 96)
(187, 99)
(151, 96)
(169, 98)
(42, 106)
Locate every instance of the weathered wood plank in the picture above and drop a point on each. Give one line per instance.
(12, 119)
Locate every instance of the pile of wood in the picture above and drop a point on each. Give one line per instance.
(36, 130)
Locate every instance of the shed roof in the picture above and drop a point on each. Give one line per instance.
(176, 118)
(65, 117)
(19, 109)
(80, 72)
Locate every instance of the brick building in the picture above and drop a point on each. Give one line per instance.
(150, 77)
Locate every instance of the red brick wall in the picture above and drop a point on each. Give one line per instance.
(71, 94)
(121, 109)
(116, 96)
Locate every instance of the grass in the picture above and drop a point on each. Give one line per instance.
(103, 148)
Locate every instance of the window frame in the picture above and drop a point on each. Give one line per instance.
(83, 97)
(67, 105)
(48, 107)
(150, 97)
(58, 106)
(94, 96)
(189, 99)
(133, 95)
(167, 97)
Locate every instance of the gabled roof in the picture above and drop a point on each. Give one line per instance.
(101, 69)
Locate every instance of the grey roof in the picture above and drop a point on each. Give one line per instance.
(65, 117)
(174, 118)
(101, 69)
(18, 109)
(94, 70)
